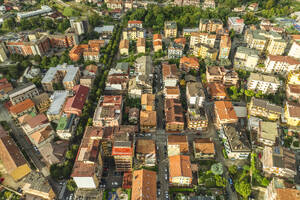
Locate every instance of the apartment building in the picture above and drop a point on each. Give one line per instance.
(187, 3)
(293, 92)
(5, 87)
(210, 25)
(292, 113)
(216, 91)
(87, 168)
(3, 53)
(195, 94)
(58, 100)
(66, 126)
(108, 112)
(224, 113)
(67, 74)
(177, 145)
(80, 25)
(134, 23)
(170, 29)
(221, 75)
(31, 124)
(263, 108)
(236, 23)
(141, 45)
(147, 121)
(12, 159)
(133, 115)
(123, 152)
(170, 74)
(116, 85)
(204, 38)
(148, 102)
(225, 46)
(180, 171)
(105, 30)
(42, 11)
(23, 92)
(120, 70)
(277, 47)
(89, 52)
(146, 152)
(209, 4)
(144, 185)
(189, 63)
(124, 47)
(175, 50)
(189, 31)
(279, 190)
(172, 92)
(246, 58)
(204, 148)
(196, 119)
(236, 143)
(22, 108)
(264, 83)
(114, 4)
(87, 80)
(279, 161)
(41, 102)
(65, 40)
(295, 48)
(281, 64)
(75, 104)
(133, 33)
(205, 52)
(267, 133)
(174, 115)
(36, 186)
(157, 42)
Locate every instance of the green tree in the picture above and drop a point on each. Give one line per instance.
(8, 24)
(243, 188)
(69, 12)
(220, 181)
(232, 169)
(217, 169)
(70, 155)
(71, 185)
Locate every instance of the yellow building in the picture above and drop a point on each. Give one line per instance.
(276, 47)
(292, 113)
(262, 108)
(170, 29)
(293, 78)
(204, 51)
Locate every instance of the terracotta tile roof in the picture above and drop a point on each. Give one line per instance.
(287, 194)
(157, 43)
(189, 61)
(124, 44)
(115, 100)
(204, 146)
(77, 101)
(225, 110)
(286, 59)
(92, 68)
(181, 41)
(180, 165)
(143, 185)
(37, 120)
(157, 37)
(294, 109)
(145, 146)
(148, 99)
(169, 70)
(141, 42)
(41, 135)
(135, 22)
(5, 85)
(173, 111)
(122, 148)
(180, 140)
(22, 106)
(217, 90)
(148, 118)
(172, 90)
(295, 37)
(294, 88)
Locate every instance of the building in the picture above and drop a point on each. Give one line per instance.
(146, 152)
(281, 64)
(87, 81)
(279, 190)
(67, 74)
(293, 92)
(144, 185)
(5, 87)
(295, 48)
(292, 113)
(21, 93)
(203, 38)
(54, 152)
(170, 29)
(120, 70)
(80, 25)
(12, 159)
(133, 33)
(196, 119)
(66, 126)
(148, 102)
(44, 10)
(58, 100)
(141, 45)
(277, 47)
(133, 115)
(169, 73)
(36, 186)
(205, 52)
(177, 145)
(174, 115)
(114, 4)
(105, 30)
(267, 133)
(180, 171)
(175, 50)
(189, 63)
(22, 108)
(236, 23)
(279, 161)
(172, 92)
(216, 74)
(189, 31)
(225, 46)
(195, 94)
(211, 25)
(147, 121)
(89, 52)
(41, 102)
(187, 3)
(3, 53)
(253, 7)
(262, 108)
(209, 4)
(224, 113)
(157, 42)
(204, 148)
(246, 58)
(65, 40)
(109, 111)
(75, 104)
(123, 152)
(134, 23)
(264, 83)
(88, 164)
(236, 143)
(124, 47)
(216, 91)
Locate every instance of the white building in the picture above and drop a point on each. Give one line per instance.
(295, 50)
(236, 23)
(44, 9)
(246, 58)
(264, 83)
(195, 94)
(80, 25)
(170, 77)
(281, 64)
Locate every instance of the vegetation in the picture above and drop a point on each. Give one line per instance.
(210, 180)
(71, 185)
(217, 169)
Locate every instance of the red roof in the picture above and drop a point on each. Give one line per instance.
(22, 106)
(122, 151)
(135, 22)
(77, 102)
